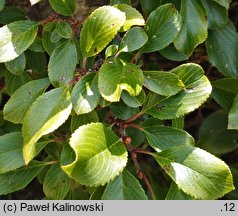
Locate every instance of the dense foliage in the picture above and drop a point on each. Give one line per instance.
(89, 116)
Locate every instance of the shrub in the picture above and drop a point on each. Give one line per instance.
(90, 118)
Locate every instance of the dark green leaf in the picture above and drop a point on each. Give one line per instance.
(149, 6)
(18, 36)
(175, 193)
(56, 183)
(123, 111)
(170, 52)
(64, 29)
(222, 46)
(19, 103)
(20, 178)
(124, 187)
(47, 113)
(161, 137)
(214, 136)
(113, 2)
(62, 64)
(80, 120)
(164, 19)
(133, 40)
(194, 27)
(99, 29)
(11, 14)
(2, 4)
(13, 82)
(18, 65)
(224, 3)
(64, 7)
(162, 83)
(116, 75)
(37, 46)
(135, 101)
(217, 14)
(85, 94)
(11, 152)
(100, 155)
(55, 37)
(196, 172)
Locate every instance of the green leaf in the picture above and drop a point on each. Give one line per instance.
(197, 90)
(175, 193)
(135, 101)
(85, 94)
(227, 84)
(20, 178)
(64, 29)
(149, 6)
(100, 155)
(111, 50)
(133, 16)
(46, 114)
(64, 7)
(56, 183)
(99, 29)
(124, 187)
(36, 64)
(34, 2)
(123, 111)
(224, 91)
(13, 82)
(194, 27)
(196, 172)
(178, 122)
(37, 45)
(133, 40)
(224, 3)
(21, 100)
(217, 14)
(11, 152)
(80, 120)
(162, 83)
(113, 2)
(11, 14)
(62, 64)
(48, 45)
(222, 48)
(16, 38)
(161, 138)
(233, 115)
(214, 136)
(152, 100)
(18, 65)
(164, 19)
(115, 76)
(170, 52)
(55, 37)
(2, 4)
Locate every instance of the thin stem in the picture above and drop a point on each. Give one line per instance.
(149, 187)
(139, 171)
(133, 117)
(142, 151)
(117, 54)
(136, 126)
(135, 58)
(84, 64)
